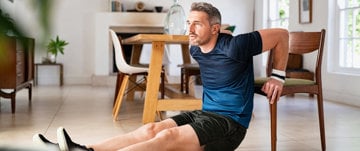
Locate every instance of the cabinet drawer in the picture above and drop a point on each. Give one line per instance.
(20, 67)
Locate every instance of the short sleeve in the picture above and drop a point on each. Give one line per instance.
(244, 46)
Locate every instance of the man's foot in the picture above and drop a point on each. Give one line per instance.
(41, 141)
(66, 144)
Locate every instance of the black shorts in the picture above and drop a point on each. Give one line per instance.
(216, 132)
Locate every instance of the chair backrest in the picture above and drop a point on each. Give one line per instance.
(305, 42)
(295, 62)
(119, 56)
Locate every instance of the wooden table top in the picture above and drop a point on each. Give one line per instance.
(148, 38)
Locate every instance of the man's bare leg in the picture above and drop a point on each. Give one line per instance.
(141, 134)
(176, 138)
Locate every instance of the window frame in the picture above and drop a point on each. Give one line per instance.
(278, 18)
(334, 59)
(269, 22)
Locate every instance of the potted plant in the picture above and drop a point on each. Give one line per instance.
(54, 47)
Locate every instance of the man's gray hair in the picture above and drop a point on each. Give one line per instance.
(213, 12)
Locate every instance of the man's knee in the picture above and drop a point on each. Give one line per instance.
(172, 139)
(168, 133)
(149, 130)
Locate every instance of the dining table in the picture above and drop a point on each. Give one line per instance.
(152, 103)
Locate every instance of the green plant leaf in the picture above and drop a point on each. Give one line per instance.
(56, 46)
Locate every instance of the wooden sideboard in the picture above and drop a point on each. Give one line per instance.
(16, 67)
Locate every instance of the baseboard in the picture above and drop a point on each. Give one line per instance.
(341, 97)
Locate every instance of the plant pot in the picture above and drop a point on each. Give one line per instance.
(50, 58)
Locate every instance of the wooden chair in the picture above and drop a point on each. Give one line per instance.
(300, 43)
(125, 71)
(187, 70)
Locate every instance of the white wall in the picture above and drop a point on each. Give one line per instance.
(72, 21)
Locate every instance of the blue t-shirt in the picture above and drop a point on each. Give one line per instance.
(227, 75)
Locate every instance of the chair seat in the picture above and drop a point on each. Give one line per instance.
(288, 81)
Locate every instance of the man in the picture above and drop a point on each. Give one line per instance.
(227, 74)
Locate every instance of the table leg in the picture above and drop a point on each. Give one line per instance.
(61, 75)
(152, 86)
(185, 53)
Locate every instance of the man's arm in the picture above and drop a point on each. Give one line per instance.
(276, 40)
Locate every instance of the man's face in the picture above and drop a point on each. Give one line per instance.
(200, 30)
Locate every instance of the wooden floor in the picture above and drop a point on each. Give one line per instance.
(85, 111)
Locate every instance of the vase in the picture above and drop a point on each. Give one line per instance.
(175, 22)
(51, 58)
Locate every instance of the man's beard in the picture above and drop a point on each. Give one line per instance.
(196, 41)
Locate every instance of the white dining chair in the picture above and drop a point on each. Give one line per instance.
(126, 70)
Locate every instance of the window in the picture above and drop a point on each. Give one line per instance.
(349, 34)
(278, 15)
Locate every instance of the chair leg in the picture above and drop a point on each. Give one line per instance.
(162, 87)
(321, 120)
(187, 79)
(119, 97)
(273, 125)
(13, 101)
(159, 114)
(30, 91)
(119, 79)
(182, 74)
(131, 94)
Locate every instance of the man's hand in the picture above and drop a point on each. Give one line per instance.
(273, 89)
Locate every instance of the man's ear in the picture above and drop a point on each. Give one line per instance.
(215, 28)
